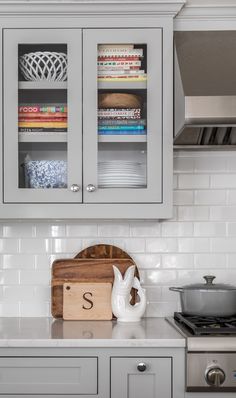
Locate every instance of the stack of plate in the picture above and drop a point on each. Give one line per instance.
(120, 173)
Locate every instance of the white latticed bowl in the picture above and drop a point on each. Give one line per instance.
(44, 65)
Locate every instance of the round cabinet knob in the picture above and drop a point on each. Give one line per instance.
(215, 377)
(141, 367)
(91, 188)
(74, 188)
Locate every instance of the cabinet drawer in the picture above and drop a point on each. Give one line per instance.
(48, 375)
(137, 377)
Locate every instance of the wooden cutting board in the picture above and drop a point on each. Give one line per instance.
(93, 264)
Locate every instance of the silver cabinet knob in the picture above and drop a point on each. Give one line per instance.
(141, 367)
(74, 188)
(91, 188)
(215, 377)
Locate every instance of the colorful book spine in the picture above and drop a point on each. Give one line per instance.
(122, 78)
(118, 59)
(43, 115)
(120, 128)
(41, 108)
(121, 72)
(42, 130)
(120, 52)
(44, 124)
(126, 113)
(42, 120)
(125, 122)
(120, 64)
(122, 132)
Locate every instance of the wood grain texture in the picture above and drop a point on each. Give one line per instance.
(87, 301)
(93, 264)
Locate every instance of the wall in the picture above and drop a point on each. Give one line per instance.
(199, 239)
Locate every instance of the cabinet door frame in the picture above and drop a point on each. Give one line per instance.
(154, 191)
(124, 372)
(11, 39)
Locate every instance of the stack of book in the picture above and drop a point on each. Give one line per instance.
(42, 117)
(121, 122)
(120, 62)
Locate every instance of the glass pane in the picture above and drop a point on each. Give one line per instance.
(42, 115)
(122, 115)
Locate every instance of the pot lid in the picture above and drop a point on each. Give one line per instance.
(209, 285)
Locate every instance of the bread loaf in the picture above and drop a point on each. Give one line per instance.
(119, 100)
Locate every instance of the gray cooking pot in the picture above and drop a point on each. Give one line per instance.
(207, 299)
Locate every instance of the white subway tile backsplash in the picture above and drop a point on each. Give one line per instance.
(209, 197)
(183, 197)
(113, 229)
(48, 230)
(145, 228)
(193, 181)
(223, 213)
(176, 229)
(147, 261)
(193, 245)
(81, 230)
(209, 229)
(193, 213)
(18, 229)
(210, 260)
(34, 246)
(19, 261)
(177, 260)
(223, 181)
(199, 239)
(161, 245)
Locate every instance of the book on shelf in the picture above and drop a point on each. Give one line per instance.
(120, 128)
(121, 72)
(122, 132)
(120, 52)
(43, 124)
(42, 115)
(38, 108)
(115, 45)
(122, 78)
(42, 130)
(120, 113)
(123, 122)
(117, 64)
(42, 120)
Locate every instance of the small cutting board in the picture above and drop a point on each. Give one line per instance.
(87, 301)
(92, 265)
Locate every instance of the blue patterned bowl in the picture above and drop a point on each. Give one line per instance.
(46, 173)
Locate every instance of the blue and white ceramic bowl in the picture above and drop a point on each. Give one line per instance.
(46, 174)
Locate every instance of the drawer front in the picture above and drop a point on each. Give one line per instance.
(141, 377)
(48, 375)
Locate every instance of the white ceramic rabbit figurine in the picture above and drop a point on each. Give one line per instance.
(120, 299)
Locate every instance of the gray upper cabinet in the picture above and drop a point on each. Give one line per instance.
(87, 113)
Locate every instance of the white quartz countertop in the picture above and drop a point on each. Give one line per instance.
(49, 332)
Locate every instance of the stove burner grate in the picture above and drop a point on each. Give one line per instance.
(199, 325)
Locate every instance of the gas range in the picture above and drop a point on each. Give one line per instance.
(211, 352)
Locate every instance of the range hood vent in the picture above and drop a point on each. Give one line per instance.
(205, 89)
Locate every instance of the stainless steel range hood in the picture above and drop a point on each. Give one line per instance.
(205, 89)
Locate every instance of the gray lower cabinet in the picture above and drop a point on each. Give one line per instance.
(69, 376)
(92, 372)
(141, 377)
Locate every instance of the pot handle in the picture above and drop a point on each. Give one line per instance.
(176, 289)
(209, 279)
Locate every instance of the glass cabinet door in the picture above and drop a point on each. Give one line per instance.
(122, 128)
(42, 115)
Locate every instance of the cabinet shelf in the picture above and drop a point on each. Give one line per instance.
(112, 85)
(42, 137)
(42, 85)
(122, 138)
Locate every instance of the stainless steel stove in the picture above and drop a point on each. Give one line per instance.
(211, 352)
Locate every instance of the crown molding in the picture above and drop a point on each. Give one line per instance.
(88, 7)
